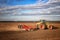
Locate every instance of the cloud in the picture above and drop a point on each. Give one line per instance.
(45, 9)
(52, 7)
(31, 18)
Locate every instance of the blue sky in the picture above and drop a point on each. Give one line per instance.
(17, 2)
(28, 10)
(21, 2)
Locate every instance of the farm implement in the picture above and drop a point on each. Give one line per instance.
(39, 26)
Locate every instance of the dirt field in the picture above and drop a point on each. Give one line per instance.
(33, 35)
(13, 26)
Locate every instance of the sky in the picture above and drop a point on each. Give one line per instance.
(29, 10)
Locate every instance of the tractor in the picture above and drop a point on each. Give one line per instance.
(44, 25)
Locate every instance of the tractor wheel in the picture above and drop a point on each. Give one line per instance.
(42, 26)
(50, 27)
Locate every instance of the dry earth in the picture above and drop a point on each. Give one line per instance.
(33, 35)
(8, 32)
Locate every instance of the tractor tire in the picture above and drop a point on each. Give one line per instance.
(50, 27)
(42, 27)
